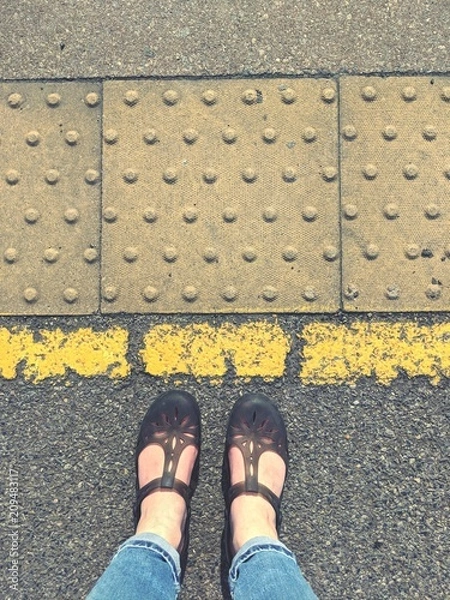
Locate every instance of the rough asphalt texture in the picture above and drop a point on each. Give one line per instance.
(80, 38)
(366, 504)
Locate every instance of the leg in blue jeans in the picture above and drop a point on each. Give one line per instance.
(264, 569)
(145, 567)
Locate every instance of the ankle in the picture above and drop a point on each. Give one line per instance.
(163, 513)
(251, 516)
(167, 531)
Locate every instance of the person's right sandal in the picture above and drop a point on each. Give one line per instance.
(255, 426)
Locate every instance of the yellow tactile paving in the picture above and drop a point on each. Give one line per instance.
(50, 197)
(220, 196)
(225, 195)
(395, 172)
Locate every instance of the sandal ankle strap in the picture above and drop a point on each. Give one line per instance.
(157, 484)
(241, 488)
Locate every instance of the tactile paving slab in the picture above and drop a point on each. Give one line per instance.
(395, 170)
(50, 197)
(220, 196)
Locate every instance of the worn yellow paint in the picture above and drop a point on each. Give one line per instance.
(257, 349)
(344, 353)
(50, 353)
(330, 354)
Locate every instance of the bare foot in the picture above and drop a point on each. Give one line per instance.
(164, 511)
(252, 515)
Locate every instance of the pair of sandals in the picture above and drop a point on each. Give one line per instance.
(173, 422)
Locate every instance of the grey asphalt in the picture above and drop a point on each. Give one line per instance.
(116, 38)
(366, 504)
(365, 510)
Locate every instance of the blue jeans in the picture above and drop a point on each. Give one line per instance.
(146, 567)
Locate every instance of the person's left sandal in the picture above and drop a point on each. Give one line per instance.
(172, 422)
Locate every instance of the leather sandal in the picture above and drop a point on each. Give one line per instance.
(172, 422)
(255, 426)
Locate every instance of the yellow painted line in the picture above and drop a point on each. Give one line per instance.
(52, 353)
(334, 354)
(330, 354)
(257, 349)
